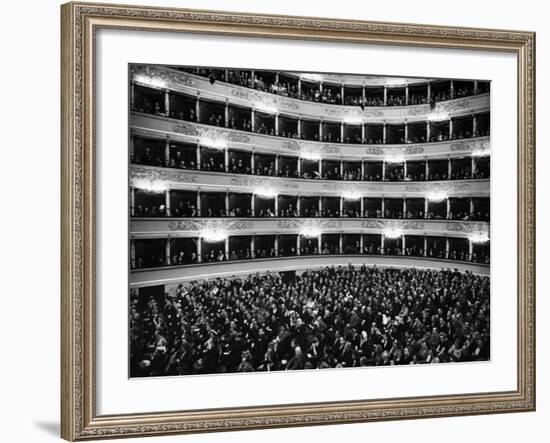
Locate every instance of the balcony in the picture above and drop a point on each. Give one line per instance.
(165, 78)
(160, 127)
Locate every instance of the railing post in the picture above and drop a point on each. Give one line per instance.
(199, 209)
(226, 159)
(199, 249)
(167, 202)
(198, 157)
(167, 102)
(168, 252)
(167, 152)
(426, 208)
(132, 253)
(198, 110)
(132, 200)
(226, 113)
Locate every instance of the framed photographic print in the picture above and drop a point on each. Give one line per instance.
(282, 221)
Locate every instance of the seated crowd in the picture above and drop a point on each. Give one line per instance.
(351, 171)
(328, 318)
(330, 93)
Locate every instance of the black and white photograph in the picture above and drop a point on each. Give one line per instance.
(285, 220)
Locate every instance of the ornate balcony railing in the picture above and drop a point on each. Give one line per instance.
(151, 177)
(159, 127)
(189, 227)
(181, 274)
(164, 78)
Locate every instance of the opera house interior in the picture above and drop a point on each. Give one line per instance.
(284, 220)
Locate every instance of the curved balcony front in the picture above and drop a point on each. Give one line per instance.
(141, 228)
(168, 79)
(160, 127)
(186, 273)
(149, 177)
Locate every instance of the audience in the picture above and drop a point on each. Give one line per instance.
(327, 318)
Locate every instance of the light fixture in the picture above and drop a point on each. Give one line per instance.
(212, 235)
(393, 232)
(310, 231)
(479, 237)
(351, 195)
(265, 192)
(213, 143)
(311, 77)
(310, 155)
(395, 82)
(150, 185)
(482, 152)
(394, 157)
(435, 116)
(265, 107)
(150, 81)
(353, 119)
(436, 196)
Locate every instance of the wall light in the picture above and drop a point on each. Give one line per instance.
(436, 196)
(265, 107)
(266, 192)
(395, 82)
(213, 235)
(351, 195)
(309, 155)
(435, 116)
(483, 152)
(393, 232)
(311, 77)
(310, 231)
(479, 237)
(397, 157)
(150, 81)
(214, 143)
(353, 119)
(150, 185)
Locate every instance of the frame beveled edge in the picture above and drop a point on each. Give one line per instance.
(78, 417)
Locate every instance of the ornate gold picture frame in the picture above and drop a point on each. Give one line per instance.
(80, 21)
